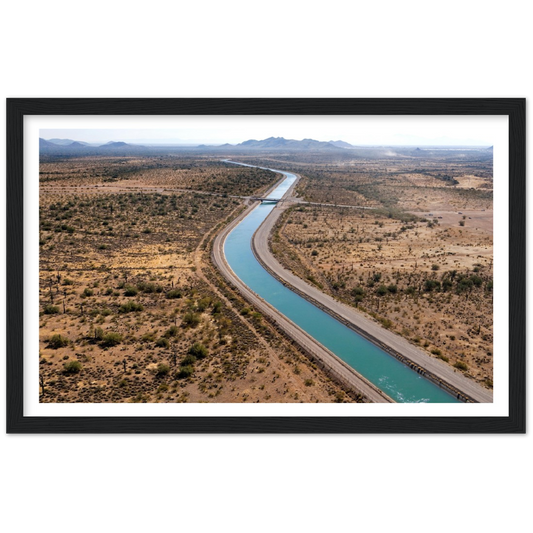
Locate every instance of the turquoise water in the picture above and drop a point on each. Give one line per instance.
(394, 378)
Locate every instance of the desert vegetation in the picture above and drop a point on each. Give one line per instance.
(420, 261)
(162, 173)
(131, 309)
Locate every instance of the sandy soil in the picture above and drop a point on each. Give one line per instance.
(420, 263)
(475, 220)
(135, 265)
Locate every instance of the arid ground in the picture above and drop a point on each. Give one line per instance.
(420, 262)
(131, 309)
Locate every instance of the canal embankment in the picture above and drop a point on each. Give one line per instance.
(442, 375)
(311, 325)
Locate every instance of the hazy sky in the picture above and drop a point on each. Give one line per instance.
(358, 130)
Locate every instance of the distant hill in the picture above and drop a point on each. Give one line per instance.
(65, 148)
(69, 148)
(280, 143)
(46, 145)
(341, 144)
(80, 148)
(112, 145)
(65, 142)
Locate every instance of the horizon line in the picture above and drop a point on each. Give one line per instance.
(221, 143)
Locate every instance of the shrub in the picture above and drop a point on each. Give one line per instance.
(87, 292)
(198, 350)
(460, 365)
(435, 267)
(99, 334)
(309, 382)
(58, 341)
(172, 331)
(393, 289)
(382, 290)
(174, 293)
(162, 369)
(386, 323)
(129, 307)
(476, 280)
(162, 342)
(111, 339)
(51, 309)
(72, 367)
(191, 319)
(188, 360)
(436, 351)
(339, 396)
(358, 294)
(162, 388)
(185, 372)
(431, 284)
(203, 304)
(148, 337)
(130, 290)
(464, 284)
(149, 287)
(446, 284)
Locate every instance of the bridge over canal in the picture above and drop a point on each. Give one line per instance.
(265, 200)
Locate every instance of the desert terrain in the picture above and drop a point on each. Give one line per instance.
(419, 261)
(131, 309)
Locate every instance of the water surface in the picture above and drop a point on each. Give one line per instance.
(393, 377)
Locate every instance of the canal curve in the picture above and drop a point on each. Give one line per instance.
(385, 372)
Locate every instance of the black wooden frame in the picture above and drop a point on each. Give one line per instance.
(514, 108)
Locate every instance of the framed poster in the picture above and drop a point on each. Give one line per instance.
(266, 265)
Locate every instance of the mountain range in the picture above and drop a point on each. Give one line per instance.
(280, 143)
(70, 148)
